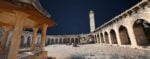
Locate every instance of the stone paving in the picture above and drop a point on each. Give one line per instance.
(95, 51)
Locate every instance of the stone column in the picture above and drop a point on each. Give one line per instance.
(70, 40)
(61, 40)
(100, 40)
(34, 37)
(74, 39)
(132, 37)
(43, 37)
(118, 36)
(96, 38)
(15, 42)
(78, 41)
(105, 42)
(109, 38)
(5, 38)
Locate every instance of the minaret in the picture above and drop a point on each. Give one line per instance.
(92, 21)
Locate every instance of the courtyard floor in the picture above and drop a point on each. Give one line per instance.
(95, 51)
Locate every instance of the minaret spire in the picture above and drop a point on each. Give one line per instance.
(92, 20)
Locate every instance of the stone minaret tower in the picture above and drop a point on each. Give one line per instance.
(92, 21)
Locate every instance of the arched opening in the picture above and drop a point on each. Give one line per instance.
(98, 40)
(28, 41)
(61, 41)
(113, 37)
(38, 42)
(1, 34)
(95, 38)
(56, 41)
(52, 41)
(48, 43)
(102, 38)
(64, 41)
(22, 42)
(72, 40)
(77, 40)
(142, 32)
(124, 37)
(68, 40)
(106, 37)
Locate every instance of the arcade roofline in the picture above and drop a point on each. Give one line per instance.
(129, 11)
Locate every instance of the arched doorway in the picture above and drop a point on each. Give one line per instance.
(124, 37)
(142, 32)
(113, 37)
(102, 38)
(106, 37)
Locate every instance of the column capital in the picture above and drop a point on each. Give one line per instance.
(35, 29)
(45, 26)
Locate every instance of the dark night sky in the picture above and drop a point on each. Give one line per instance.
(72, 16)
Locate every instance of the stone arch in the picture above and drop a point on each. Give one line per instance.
(142, 32)
(102, 38)
(124, 36)
(106, 37)
(113, 37)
